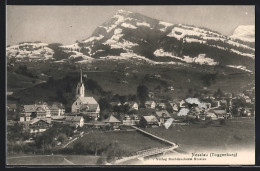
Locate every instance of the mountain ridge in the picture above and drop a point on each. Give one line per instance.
(133, 36)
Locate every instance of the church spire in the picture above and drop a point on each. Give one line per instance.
(80, 90)
(80, 75)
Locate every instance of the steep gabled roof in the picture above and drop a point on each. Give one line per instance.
(130, 103)
(87, 100)
(73, 118)
(35, 120)
(220, 112)
(33, 108)
(149, 102)
(13, 106)
(150, 119)
(30, 108)
(56, 106)
(111, 119)
(163, 112)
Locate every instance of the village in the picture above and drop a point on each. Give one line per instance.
(85, 112)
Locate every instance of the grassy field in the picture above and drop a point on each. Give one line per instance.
(16, 82)
(129, 141)
(52, 160)
(235, 134)
(119, 78)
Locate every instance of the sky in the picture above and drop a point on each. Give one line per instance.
(66, 24)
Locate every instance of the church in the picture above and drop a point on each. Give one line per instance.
(85, 105)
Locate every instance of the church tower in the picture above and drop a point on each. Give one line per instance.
(80, 90)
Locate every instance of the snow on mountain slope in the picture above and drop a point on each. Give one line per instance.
(245, 33)
(32, 51)
(128, 33)
(143, 24)
(94, 38)
(200, 59)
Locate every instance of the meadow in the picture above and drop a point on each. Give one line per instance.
(52, 160)
(238, 133)
(128, 141)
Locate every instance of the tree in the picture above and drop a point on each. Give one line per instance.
(14, 132)
(79, 147)
(142, 94)
(101, 160)
(142, 123)
(61, 138)
(60, 97)
(122, 99)
(68, 88)
(219, 93)
(104, 104)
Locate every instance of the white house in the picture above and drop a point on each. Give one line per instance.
(182, 103)
(211, 115)
(150, 104)
(133, 105)
(74, 121)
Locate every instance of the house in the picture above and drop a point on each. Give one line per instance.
(95, 124)
(155, 76)
(215, 103)
(182, 103)
(115, 103)
(248, 100)
(211, 115)
(202, 114)
(151, 95)
(26, 113)
(57, 109)
(59, 119)
(43, 111)
(247, 112)
(171, 88)
(74, 121)
(38, 125)
(162, 116)
(85, 105)
(145, 111)
(208, 105)
(150, 104)
(149, 121)
(111, 120)
(221, 114)
(11, 107)
(174, 106)
(8, 93)
(195, 111)
(130, 120)
(161, 106)
(132, 105)
(223, 102)
(33, 111)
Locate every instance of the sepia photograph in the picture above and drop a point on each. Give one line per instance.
(97, 85)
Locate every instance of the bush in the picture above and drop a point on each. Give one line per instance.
(210, 122)
(101, 160)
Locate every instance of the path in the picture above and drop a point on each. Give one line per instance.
(149, 152)
(154, 136)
